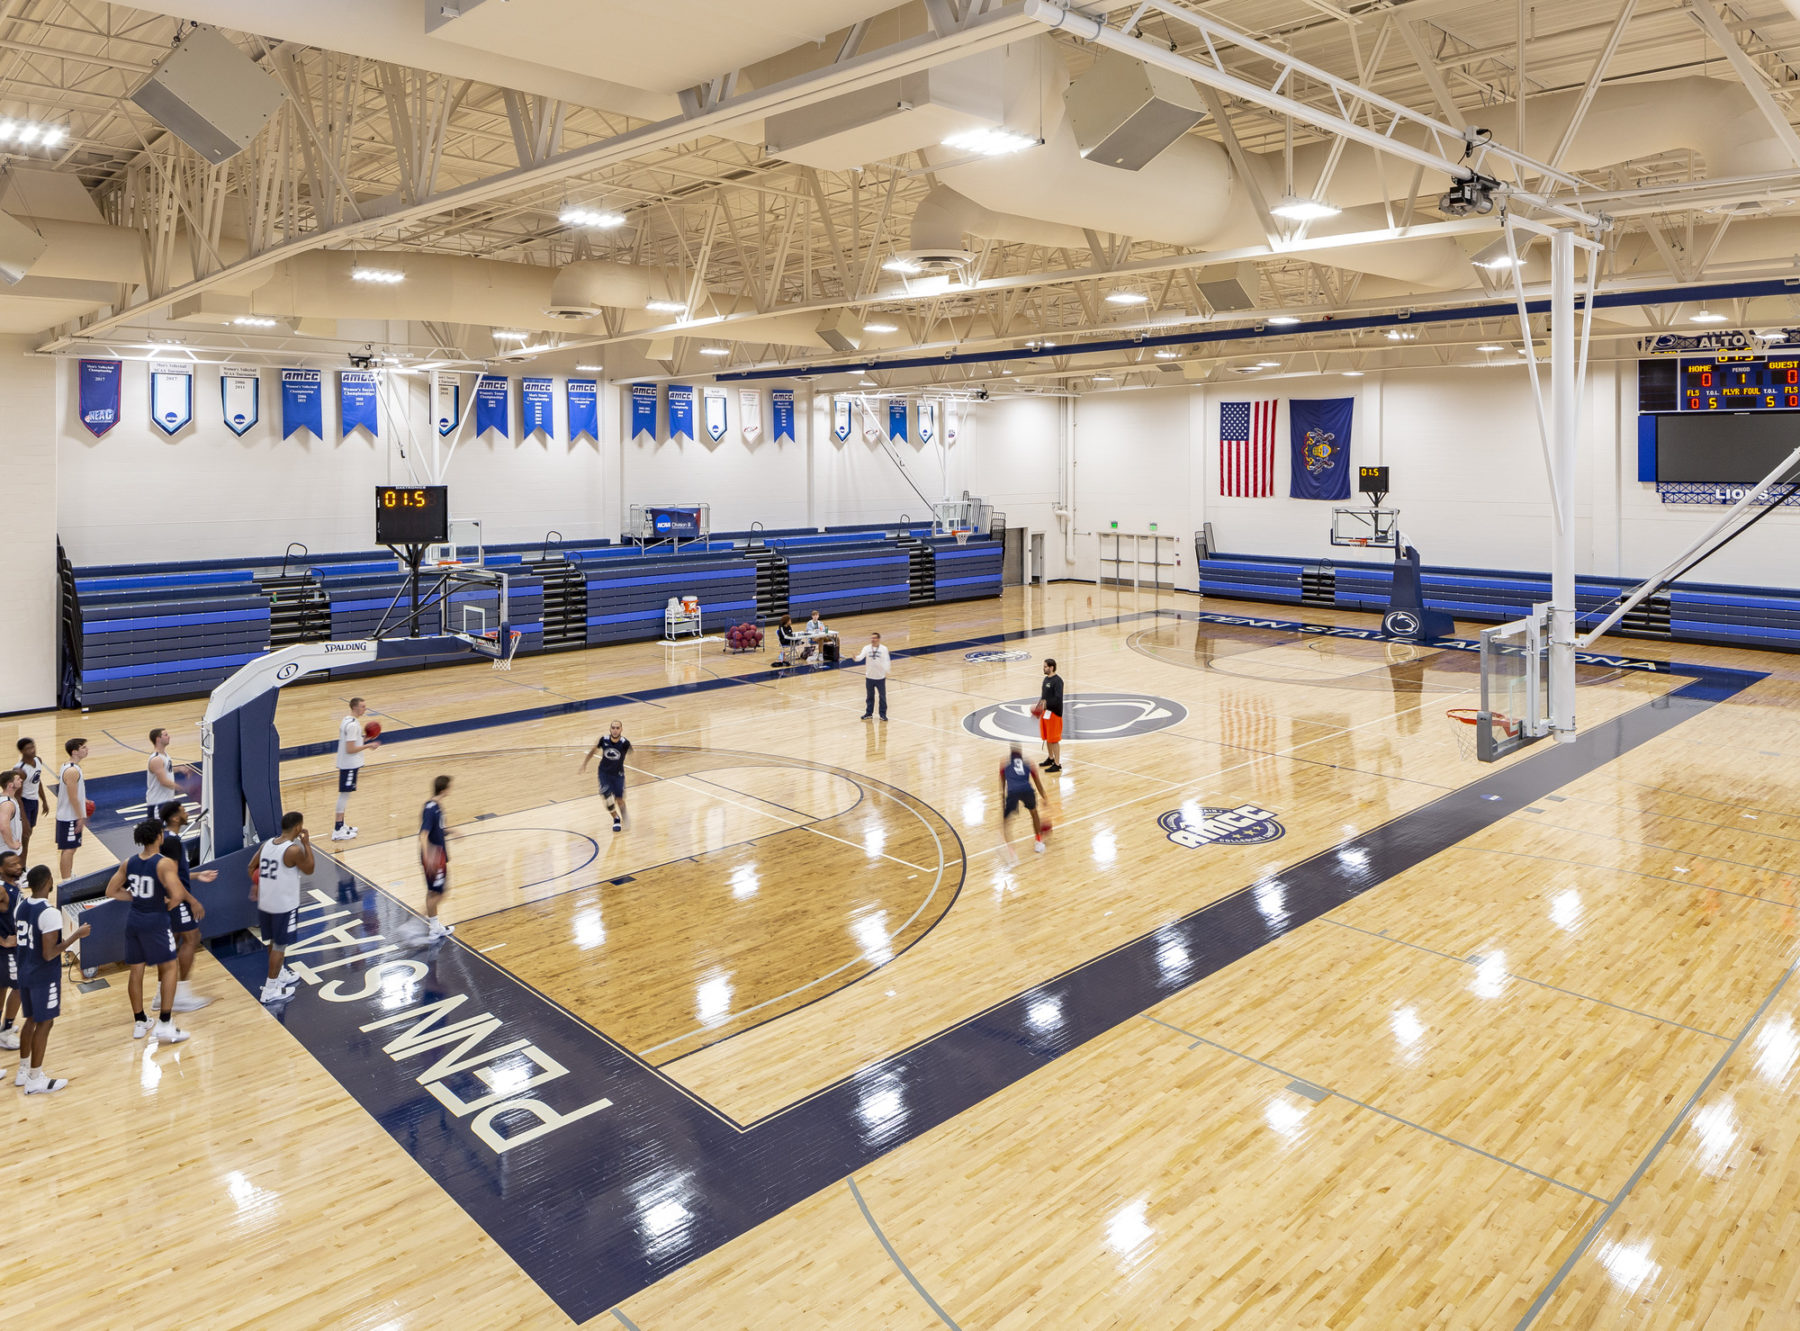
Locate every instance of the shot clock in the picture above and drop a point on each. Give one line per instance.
(412, 514)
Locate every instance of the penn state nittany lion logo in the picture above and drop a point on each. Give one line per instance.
(1086, 716)
(1319, 450)
(1246, 825)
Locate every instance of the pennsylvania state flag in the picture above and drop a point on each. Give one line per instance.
(1320, 432)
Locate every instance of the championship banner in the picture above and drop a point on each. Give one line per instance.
(781, 406)
(446, 403)
(97, 395)
(712, 401)
(897, 418)
(643, 410)
(584, 409)
(302, 402)
(871, 422)
(359, 402)
(840, 418)
(172, 394)
(927, 421)
(949, 422)
(240, 396)
(749, 414)
(1319, 429)
(536, 398)
(493, 405)
(681, 411)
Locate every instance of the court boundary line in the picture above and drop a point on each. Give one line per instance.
(894, 1257)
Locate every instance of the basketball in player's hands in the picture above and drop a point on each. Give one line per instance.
(433, 858)
(255, 872)
(1037, 708)
(90, 808)
(371, 729)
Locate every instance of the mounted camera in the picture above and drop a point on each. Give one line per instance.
(1472, 195)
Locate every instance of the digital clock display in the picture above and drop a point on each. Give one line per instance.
(412, 514)
(1740, 383)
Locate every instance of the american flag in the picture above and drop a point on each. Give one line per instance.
(1247, 449)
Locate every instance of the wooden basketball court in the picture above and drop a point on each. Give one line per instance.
(1410, 1042)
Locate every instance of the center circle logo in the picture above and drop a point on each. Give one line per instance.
(1246, 825)
(991, 655)
(1086, 716)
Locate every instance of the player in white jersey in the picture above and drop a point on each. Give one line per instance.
(31, 767)
(350, 748)
(159, 781)
(71, 807)
(12, 814)
(275, 879)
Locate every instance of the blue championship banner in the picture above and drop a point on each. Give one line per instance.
(97, 395)
(302, 402)
(536, 397)
(681, 411)
(240, 397)
(358, 402)
(717, 416)
(643, 410)
(584, 409)
(172, 394)
(781, 404)
(493, 405)
(897, 418)
(1319, 429)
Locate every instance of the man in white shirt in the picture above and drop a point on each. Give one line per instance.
(160, 785)
(351, 745)
(276, 876)
(874, 659)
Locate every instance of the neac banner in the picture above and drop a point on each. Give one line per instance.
(584, 409)
(97, 395)
(681, 411)
(240, 397)
(713, 409)
(750, 414)
(840, 418)
(172, 394)
(896, 418)
(643, 410)
(536, 400)
(358, 402)
(446, 403)
(1319, 430)
(302, 402)
(493, 405)
(781, 406)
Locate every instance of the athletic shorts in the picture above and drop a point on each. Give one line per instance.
(613, 784)
(68, 835)
(347, 779)
(440, 880)
(1050, 727)
(278, 930)
(29, 808)
(12, 967)
(181, 918)
(148, 939)
(1028, 799)
(41, 1000)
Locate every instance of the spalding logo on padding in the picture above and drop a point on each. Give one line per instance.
(1246, 825)
(1086, 716)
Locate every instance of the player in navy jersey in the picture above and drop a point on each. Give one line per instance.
(1018, 774)
(10, 896)
(612, 751)
(184, 916)
(39, 925)
(434, 857)
(151, 884)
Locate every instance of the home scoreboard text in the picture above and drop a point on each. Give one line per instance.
(1740, 383)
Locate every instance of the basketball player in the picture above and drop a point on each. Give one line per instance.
(351, 745)
(1018, 774)
(1050, 724)
(281, 864)
(12, 814)
(612, 751)
(434, 856)
(10, 896)
(71, 806)
(40, 947)
(159, 782)
(148, 881)
(184, 916)
(31, 767)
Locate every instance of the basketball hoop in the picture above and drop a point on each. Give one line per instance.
(503, 661)
(962, 535)
(1468, 718)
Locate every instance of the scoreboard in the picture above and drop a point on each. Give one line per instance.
(1740, 383)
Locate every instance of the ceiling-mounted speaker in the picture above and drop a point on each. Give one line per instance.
(1228, 286)
(20, 247)
(210, 95)
(840, 330)
(1125, 112)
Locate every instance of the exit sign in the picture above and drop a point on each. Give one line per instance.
(1115, 526)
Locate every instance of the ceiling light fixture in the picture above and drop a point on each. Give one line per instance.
(990, 142)
(384, 276)
(1103, 378)
(1283, 320)
(253, 321)
(1269, 364)
(1705, 316)
(880, 328)
(1399, 335)
(597, 218)
(1297, 209)
(1127, 298)
(1497, 256)
(1489, 346)
(1168, 355)
(905, 267)
(665, 306)
(1353, 374)
(508, 335)
(715, 351)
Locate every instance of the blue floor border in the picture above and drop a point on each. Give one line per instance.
(599, 1176)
